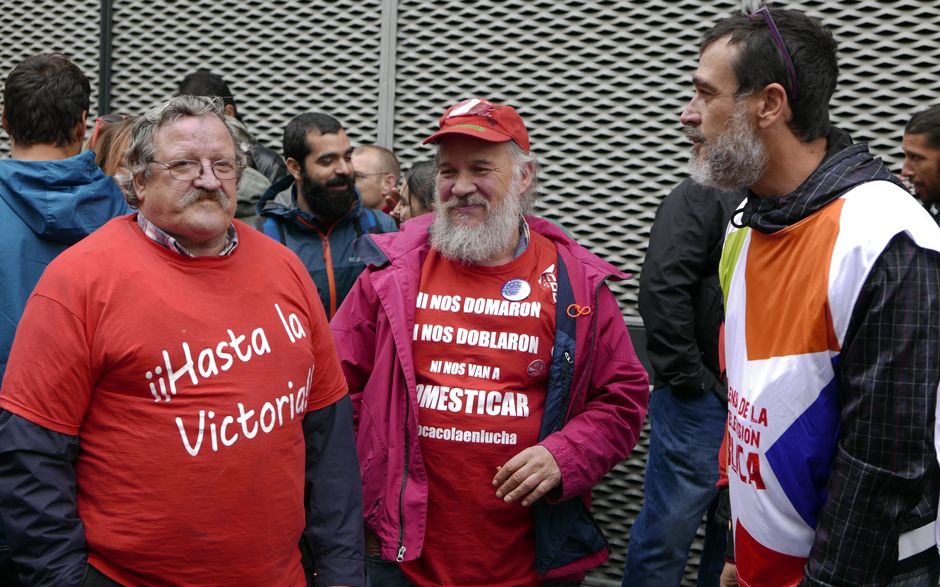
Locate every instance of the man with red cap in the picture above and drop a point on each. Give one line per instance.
(493, 379)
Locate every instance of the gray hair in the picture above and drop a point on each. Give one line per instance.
(521, 159)
(142, 147)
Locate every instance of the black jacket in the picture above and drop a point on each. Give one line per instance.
(268, 162)
(680, 297)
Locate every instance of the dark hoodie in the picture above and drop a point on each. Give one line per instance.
(845, 166)
(45, 207)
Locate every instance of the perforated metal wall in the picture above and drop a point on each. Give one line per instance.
(600, 85)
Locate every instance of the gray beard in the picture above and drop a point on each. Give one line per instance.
(474, 245)
(733, 160)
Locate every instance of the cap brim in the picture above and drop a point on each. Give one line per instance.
(475, 131)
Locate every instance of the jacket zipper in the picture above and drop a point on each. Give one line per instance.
(401, 495)
(566, 389)
(568, 371)
(330, 278)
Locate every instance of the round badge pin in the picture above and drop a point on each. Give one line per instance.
(535, 368)
(516, 290)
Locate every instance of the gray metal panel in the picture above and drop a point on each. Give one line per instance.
(67, 26)
(279, 59)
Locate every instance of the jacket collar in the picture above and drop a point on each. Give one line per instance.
(845, 166)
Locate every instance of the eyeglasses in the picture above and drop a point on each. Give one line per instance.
(188, 170)
(357, 176)
(100, 123)
(764, 12)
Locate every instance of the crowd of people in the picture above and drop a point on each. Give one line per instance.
(224, 365)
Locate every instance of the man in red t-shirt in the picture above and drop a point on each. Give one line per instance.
(492, 374)
(173, 410)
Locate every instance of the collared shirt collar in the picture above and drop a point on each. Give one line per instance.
(162, 238)
(524, 237)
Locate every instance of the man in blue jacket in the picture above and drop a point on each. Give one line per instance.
(51, 194)
(316, 210)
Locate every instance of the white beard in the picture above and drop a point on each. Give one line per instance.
(474, 245)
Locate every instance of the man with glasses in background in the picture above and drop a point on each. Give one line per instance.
(831, 277)
(174, 408)
(376, 171)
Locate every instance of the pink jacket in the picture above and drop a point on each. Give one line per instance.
(595, 404)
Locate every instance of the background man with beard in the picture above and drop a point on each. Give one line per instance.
(316, 210)
(831, 277)
(174, 410)
(921, 169)
(492, 374)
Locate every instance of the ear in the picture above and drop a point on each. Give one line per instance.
(139, 189)
(230, 110)
(528, 175)
(388, 183)
(773, 106)
(78, 131)
(3, 119)
(294, 168)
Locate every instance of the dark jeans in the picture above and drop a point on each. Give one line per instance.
(382, 573)
(679, 487)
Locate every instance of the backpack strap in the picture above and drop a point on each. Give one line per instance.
(368, 223)
(271, 227)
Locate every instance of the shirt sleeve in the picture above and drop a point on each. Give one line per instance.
(37, 503)
(328, 385)
(49, 377)
(884, 475)
(334, 530)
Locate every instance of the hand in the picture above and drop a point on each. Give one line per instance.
(527, 476)
(391, 199)
(729, 576)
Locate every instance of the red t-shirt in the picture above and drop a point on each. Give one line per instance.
(186, 381)
(482, 347)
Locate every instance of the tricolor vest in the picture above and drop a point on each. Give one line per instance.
(789, 297)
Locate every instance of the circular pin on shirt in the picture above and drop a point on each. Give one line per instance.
(516, 290)
(536, 368)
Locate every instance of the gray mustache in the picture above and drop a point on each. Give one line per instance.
(194, 196)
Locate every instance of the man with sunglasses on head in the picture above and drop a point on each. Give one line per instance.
(51, 194)
(492, 374)
(831, 277)
(175, 413)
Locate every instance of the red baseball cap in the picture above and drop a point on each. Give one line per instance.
(484, 120)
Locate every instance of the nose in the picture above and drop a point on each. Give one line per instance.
(344, 167)
(207, 179)
(907, 170)
(689, 115)
(463, 186)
